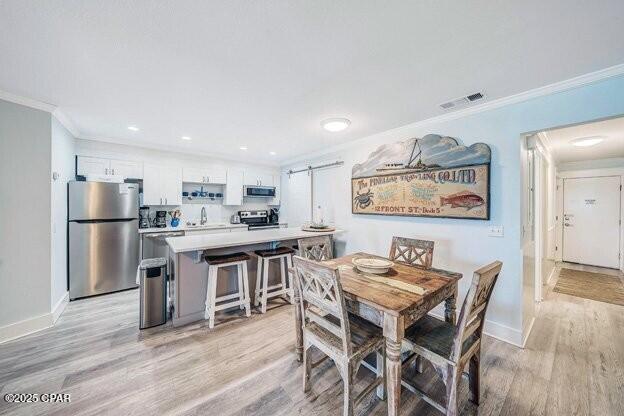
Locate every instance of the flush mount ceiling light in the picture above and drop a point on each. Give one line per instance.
(133, 128)
(587, 141)
(335, 124)
(243, 148)
(186, 138)
(272, 153)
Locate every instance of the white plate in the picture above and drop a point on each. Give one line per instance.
(372, 265)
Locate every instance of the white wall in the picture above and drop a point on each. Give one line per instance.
(463, 245)
(25, 213)
(62, 163)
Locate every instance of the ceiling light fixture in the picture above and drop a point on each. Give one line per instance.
(335, 124)
(243, 148)
(587, 141)
(186, 138)
(133, 128)
(272, 153)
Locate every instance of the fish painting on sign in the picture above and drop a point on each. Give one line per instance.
(432, 176)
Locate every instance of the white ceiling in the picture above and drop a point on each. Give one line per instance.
(265, 73)
(563, 151)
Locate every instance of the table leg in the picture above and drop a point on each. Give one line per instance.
(450, 308)
(393, 331)
(298, 323)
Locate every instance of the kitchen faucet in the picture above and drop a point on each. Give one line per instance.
(204, 217)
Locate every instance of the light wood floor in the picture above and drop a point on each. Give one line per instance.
(573, 364)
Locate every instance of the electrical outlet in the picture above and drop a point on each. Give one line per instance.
(495, 231)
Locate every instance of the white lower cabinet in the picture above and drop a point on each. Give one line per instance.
(162, 185)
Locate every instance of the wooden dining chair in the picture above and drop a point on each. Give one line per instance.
(316, 248)
(346, 339)
(412, 252)
(448, 347)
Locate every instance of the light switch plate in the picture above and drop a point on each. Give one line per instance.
(496, 231)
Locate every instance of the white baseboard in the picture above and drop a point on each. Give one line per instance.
(528, 332)
(499, 331)
(58, 309)
(552, 273)
(25, 327)
(32, 325)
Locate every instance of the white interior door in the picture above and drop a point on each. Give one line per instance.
(591, 221)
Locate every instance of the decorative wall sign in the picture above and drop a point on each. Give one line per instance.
(432, 176)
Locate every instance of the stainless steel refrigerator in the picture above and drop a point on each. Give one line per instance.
(103, 237)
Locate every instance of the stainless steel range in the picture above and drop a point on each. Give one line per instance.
(257, 220)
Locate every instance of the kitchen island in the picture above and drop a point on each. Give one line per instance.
(188, 271)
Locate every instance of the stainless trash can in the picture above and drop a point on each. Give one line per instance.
(153, 292)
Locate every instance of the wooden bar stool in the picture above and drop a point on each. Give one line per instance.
(214, 303)
(263, 291)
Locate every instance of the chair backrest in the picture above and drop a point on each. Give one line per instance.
(412, 251)
(321, 298)
(472, 315)
(316, 248)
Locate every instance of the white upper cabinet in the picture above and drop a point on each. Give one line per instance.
(102, 166)
(215, 175)
(258, 178)
(92, 166)
(162, 185)
(194, 175)
(127, 169)
(233, 188)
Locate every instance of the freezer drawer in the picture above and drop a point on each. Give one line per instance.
(103, 257)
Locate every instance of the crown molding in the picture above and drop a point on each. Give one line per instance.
(43, 106)
(572, 83)
(28, 102)
(172, 149)
(66, 122)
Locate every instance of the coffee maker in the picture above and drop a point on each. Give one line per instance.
(144, 221)
(274, 216)
(161, 219)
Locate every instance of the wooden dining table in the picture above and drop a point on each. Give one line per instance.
(393, 301)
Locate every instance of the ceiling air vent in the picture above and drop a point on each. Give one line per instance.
(475, 97)
(462, 101)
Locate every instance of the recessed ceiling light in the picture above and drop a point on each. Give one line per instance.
(186, 138)
(335, 124)
(243, 148)
(133, 128)
(587, 141)
(272, 153)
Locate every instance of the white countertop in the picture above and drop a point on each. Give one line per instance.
(184, 227)
(211, 241)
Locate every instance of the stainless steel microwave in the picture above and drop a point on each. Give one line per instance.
(259, 191)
